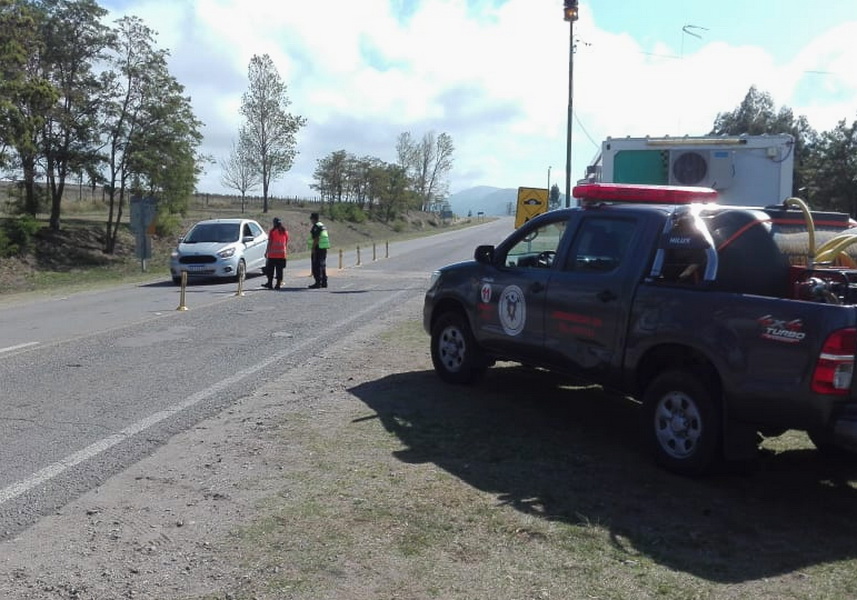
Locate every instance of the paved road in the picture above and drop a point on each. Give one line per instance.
(92, 382)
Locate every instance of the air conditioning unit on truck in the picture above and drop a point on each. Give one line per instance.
(749, 170)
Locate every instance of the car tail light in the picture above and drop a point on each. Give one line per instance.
(835, 365)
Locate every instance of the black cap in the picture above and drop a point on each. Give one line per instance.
(277, 221)
(313, 215)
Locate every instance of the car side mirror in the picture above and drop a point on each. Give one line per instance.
(484, 254)
(247, 239)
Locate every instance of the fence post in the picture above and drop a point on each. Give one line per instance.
(182, 305)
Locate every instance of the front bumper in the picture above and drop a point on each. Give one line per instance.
(220, 268)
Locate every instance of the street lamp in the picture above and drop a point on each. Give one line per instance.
(549, 180)
(570, 14)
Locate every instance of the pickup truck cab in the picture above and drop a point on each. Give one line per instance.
(724, 321)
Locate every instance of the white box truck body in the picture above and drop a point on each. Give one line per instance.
(754, 170)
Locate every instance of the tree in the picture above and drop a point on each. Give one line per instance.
(833, 169)
(26, 96)
(240, 171)
(151, 132)
(329, 174)
(271, 130)
(756, 115)
(74, 40)
(553, 198)
(388, 190)
(427, 164)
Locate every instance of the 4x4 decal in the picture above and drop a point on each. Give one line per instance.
(780, 330)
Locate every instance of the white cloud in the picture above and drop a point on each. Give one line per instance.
(495, 79)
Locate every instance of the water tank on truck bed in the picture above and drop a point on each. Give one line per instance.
(748, 170)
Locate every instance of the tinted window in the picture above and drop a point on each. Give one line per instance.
(213, 232)
(600, 245)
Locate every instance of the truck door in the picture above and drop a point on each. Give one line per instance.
(587, 303)
(510, 317)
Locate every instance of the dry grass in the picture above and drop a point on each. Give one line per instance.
(527, 486)
(73, 257)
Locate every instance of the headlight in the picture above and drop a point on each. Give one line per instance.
(174, 254)
(435, 277)
(226, 253)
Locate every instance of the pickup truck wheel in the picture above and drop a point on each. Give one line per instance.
(455, 354)
(681, 422)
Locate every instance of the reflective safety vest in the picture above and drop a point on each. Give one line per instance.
(278, 243)
(323, 237)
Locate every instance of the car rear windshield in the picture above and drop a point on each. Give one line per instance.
(213, 232)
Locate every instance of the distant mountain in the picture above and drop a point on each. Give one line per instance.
(488, 200)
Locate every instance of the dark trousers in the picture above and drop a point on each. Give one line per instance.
(274, 268)
(318, 259)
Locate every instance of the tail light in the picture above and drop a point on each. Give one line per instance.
(835, 365)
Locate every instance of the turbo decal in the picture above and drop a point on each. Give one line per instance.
(780, 330)
(512, 309)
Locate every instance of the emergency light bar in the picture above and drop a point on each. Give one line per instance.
(642, 194)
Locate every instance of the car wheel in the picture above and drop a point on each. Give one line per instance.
(241, 271)
(682, 423)
(455, 354)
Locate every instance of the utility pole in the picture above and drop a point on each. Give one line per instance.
(570, 14)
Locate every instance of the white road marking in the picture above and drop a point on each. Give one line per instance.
(72, 460)
(18, 347)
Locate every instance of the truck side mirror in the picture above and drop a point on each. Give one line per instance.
(484, 254)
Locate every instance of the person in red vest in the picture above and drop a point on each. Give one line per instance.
(278, 244)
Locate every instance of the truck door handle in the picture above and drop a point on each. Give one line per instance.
(606, 296)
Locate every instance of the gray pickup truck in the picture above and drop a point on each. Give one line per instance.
(726, 322)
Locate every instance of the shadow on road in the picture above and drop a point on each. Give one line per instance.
(572, 454)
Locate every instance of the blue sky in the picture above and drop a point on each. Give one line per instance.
(493, 74)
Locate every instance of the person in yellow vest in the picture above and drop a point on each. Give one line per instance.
(278, 244)
(318, 242)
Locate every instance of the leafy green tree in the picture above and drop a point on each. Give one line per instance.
(388, 190)
(330, 174)
(757, 115)
(833, 169)
(26, 95)
(553, 197)
(272, 131)
(74, 41)
(152, 133)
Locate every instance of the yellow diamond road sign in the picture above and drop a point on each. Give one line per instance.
(531, 202)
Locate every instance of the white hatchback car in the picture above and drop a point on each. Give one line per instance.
(220, 248)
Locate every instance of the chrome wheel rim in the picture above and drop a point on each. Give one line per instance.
(678, 424)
